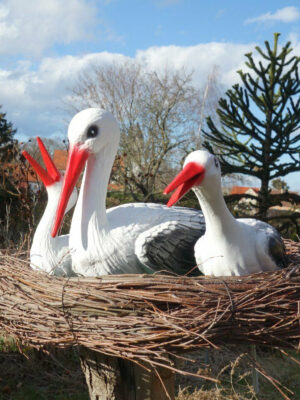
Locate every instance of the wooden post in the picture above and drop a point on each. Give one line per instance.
(112, 378)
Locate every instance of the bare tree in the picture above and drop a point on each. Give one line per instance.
(158, 115)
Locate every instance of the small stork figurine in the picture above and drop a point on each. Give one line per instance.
(229, 246)
(47, 253)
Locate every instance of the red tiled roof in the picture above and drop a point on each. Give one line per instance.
(60, 159)
(243, 189)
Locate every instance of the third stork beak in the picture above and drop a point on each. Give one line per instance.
(191, 175)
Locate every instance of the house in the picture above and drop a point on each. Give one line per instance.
(248, 204)
(244, 190)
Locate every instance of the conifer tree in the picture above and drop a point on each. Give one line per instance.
(259, 130)
(6, 136)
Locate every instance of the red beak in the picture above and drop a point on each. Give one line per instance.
(51, 168)
(75, 164)
(51, 174)
(44, 176)
(192, 174)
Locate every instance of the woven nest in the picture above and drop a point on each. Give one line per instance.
(145, 318)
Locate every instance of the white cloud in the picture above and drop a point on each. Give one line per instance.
(33, 94)
(4, 11)
(294, 39)
(200, 59)
(286, 14)
(31, 27)
(33, 97)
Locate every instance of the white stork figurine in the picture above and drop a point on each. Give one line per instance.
(49, 254)
(132, 238)
(229, 246)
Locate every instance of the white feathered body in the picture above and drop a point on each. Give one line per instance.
(50, 254)
(243, 250)
(120, 245)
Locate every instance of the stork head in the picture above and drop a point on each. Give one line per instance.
(200, 169)
(90, 131)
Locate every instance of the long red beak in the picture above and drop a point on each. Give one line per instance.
(75, 164)
(191, 175)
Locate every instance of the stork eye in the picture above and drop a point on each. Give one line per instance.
(216, 162)
(92, 131)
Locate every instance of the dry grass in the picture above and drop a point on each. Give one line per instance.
(58, 376)
(233, 368)
(199, 394)
(34, 375)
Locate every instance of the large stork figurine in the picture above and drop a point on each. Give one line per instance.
(132, 238)
(229, 246)
(50, 254)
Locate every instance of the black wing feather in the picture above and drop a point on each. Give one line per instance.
(170, 246)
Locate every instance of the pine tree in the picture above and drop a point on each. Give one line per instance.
(7, 133)
(259, 130)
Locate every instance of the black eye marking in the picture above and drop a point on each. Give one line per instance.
(216, 162)
(92, 131)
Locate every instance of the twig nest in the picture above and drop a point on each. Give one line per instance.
(146, 318)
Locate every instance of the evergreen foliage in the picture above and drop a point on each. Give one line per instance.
(259, 130)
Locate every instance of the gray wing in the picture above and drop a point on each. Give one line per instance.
(170, 245)
(277, 250)
(274, 242)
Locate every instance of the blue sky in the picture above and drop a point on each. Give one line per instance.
(45, 44)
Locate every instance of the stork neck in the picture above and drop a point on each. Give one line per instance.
(91, 205)
(46, 221)
(217, 216)
(42, 236)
